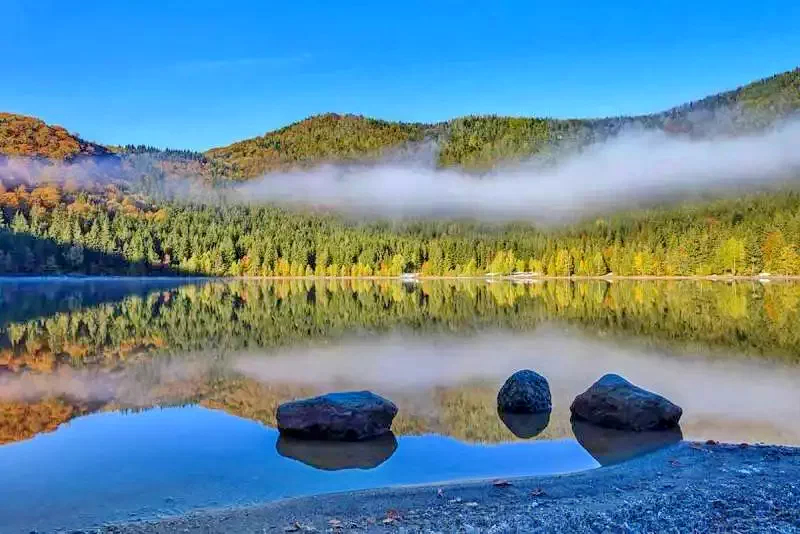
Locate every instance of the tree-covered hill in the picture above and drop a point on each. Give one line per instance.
(478, 142)
(21, 135)
(328, 137)
(473, 142)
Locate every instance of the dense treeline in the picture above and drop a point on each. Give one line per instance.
(168, 154)
(108, 232)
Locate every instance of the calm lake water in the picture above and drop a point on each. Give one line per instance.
(126, 399)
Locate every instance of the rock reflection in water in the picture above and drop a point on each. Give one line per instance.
(338, 455)
(610, 446)
(524, 425)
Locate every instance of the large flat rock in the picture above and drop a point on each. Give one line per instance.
(347, 416)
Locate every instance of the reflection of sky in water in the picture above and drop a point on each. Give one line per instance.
(114, 467)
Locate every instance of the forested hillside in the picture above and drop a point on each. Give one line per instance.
(478, 142)
(27, 136)
(115, 219)
(321, 138)
(472, 142)
(49, 229)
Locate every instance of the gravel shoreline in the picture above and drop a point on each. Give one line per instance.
(687, 487)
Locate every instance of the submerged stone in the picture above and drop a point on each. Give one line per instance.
(525, 392)
(337, 455)
(613, 402)
(348, 416)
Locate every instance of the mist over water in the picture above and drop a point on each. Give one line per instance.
(130, 386)
(635, 168)
(724, 398)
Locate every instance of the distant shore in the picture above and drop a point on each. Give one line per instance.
(405, 278)
(688, 487)
(513, 278)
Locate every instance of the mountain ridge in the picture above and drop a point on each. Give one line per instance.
(472, 141)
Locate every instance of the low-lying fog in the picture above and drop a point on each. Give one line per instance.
(635, 168)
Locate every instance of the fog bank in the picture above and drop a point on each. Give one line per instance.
(634, 168)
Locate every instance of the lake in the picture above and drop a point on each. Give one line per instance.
(130, 399)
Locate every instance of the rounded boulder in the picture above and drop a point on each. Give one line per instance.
(525, 392)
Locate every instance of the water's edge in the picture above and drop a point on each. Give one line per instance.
(687, 485)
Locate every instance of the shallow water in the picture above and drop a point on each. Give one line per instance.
(136, 399)
(172, 460)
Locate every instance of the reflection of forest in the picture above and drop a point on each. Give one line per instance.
(22, 420)
(28, 298)
(125, 338)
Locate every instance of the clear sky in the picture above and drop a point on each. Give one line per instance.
(196, 74)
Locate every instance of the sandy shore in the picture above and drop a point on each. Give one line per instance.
(688, 487)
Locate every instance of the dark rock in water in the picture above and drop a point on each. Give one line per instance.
(337, 455)
(611, 446)
(525, 425)
(525, 392)
(613, 402)
(349, 416)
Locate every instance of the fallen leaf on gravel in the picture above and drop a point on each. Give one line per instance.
(440, 492)
(335, 523)
(538, 492)
(501, 483)
(298, 527)
(392, 516)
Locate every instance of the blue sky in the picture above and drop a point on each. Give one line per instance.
(200, 74)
